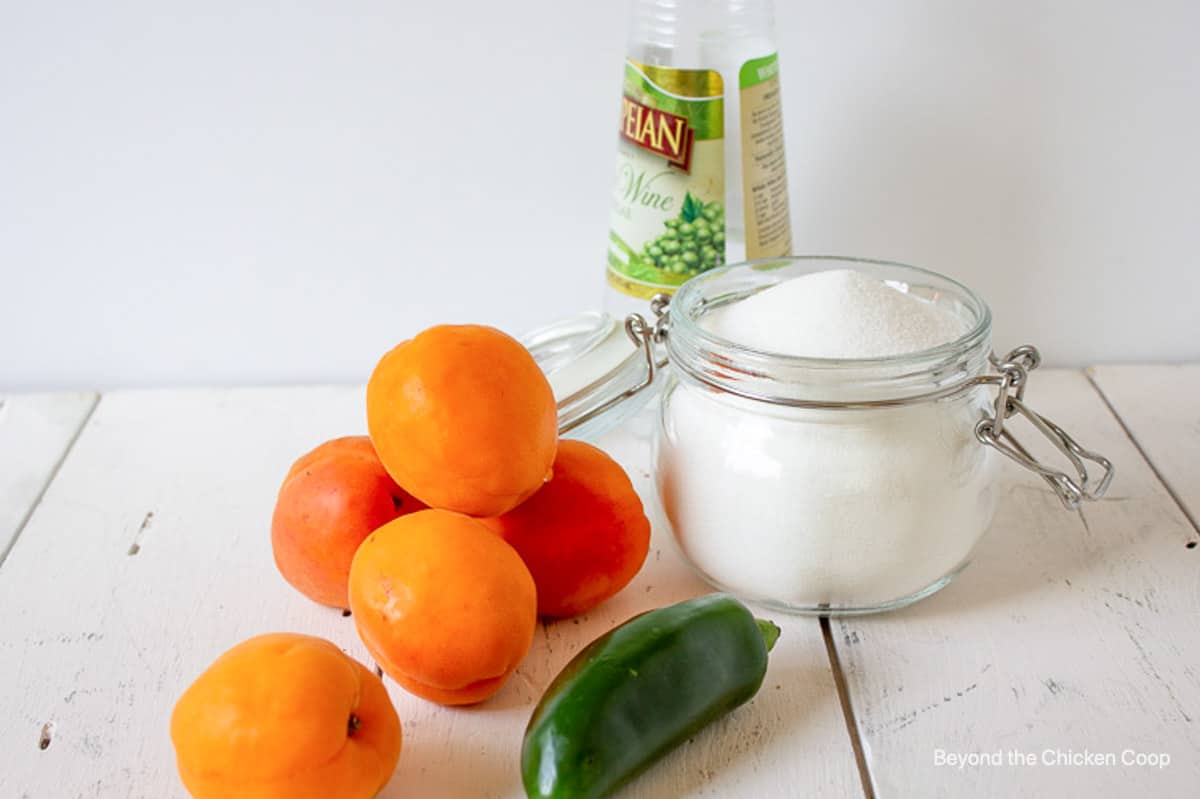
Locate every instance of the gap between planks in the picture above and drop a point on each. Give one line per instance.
(1158, 475)
(839, 681)
(37, 501)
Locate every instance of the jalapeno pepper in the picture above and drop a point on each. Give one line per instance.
(638, 691)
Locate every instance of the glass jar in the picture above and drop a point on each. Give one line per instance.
(830, 485)
(817, 485)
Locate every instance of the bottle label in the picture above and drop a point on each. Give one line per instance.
(668, 211)
(764, 169)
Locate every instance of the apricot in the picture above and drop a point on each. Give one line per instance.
(332, 499)
(463, 418)
(285, 716)
(444, 606)
(583, 535)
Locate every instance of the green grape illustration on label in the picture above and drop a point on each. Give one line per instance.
(668, 214)
(691, 242)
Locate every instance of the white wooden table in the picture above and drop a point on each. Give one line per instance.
(134, 531)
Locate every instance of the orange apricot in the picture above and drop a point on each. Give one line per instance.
(583, 535)
(285, 716)
(332, 499)
(444, 606)
(463, 418)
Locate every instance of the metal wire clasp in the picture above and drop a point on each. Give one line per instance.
(1014, 377)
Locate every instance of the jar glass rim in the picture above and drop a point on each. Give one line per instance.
(777, 378)
(684, 300)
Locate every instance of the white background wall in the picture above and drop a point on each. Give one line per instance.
(249, 192)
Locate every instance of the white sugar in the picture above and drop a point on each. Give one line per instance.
(839, 313)
(825, 506)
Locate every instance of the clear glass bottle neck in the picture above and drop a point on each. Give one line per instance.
(698, 34)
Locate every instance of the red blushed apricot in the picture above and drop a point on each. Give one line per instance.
(583, 535)
(332, 499)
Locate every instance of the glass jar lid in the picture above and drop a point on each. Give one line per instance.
(590, 361)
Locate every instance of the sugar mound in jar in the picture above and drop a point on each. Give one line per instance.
(838, 313)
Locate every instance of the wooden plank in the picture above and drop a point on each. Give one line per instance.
(1160, 406)
(98, 644)
(100, 636)
(1070, 632)
(36, 430)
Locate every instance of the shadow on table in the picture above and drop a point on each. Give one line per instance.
(745, 742)
(1036, 545)
(454, 769)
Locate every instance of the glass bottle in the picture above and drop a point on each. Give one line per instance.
(701, 177)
